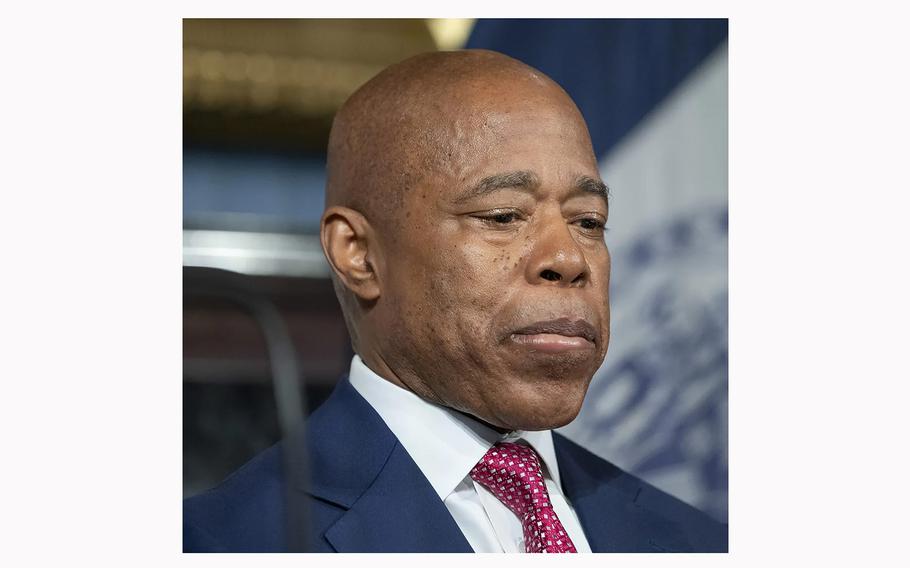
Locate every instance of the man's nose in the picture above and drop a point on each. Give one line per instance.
(557, 258)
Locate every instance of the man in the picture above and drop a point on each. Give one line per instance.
(464, 225)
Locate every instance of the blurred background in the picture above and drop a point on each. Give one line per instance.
(258, 101)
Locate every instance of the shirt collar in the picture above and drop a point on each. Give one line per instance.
(444, 444)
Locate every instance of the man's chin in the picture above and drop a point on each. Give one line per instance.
(537, 422)
(540, 411)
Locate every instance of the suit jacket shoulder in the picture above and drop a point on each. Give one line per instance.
(237, 515)
(365, 493)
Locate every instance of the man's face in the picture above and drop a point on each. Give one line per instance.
(496, 288)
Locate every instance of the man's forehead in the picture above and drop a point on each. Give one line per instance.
(502, 143)
(442, 113)
(509, 137)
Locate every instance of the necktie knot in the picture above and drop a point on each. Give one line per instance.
(512, 472)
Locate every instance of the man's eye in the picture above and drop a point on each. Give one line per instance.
(591, 224)
(500, 217)
(503, 218)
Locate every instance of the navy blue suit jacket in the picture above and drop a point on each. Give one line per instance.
(367, 495)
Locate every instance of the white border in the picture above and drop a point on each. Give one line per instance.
(91, 281)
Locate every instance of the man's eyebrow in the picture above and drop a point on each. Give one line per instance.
(592, 185)
(521, 179)
(528, 181)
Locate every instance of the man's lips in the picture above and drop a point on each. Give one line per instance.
(557, 335)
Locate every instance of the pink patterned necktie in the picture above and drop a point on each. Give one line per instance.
(512, 473)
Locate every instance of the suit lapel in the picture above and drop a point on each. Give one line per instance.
(605, 504)
(389, 505)
(399, 512)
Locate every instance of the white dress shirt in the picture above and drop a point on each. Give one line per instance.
(446, 445)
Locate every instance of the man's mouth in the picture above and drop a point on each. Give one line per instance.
(556, 336)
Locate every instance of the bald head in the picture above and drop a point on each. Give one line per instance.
(422, 116)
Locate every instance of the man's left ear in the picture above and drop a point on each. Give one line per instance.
(350, 247)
